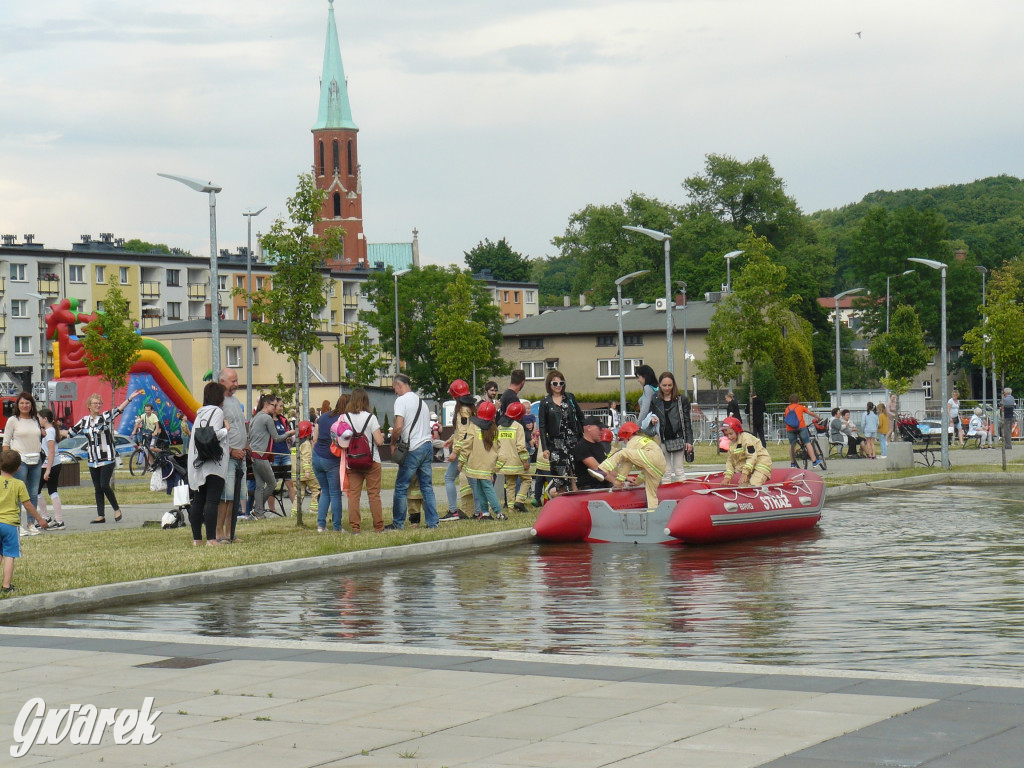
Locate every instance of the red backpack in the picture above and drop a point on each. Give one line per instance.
(360, 450)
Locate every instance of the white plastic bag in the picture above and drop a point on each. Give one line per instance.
(156, 483)
(180, 495)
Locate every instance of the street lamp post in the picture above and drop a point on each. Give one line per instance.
(666, 240)
(984, 319)
(728, 269)
(42, 341)
(887, 279)
(943, 419)
(622, 363)
(682, 286)
(398, 363)
(839, 368)
(249, 215)
(212, 189)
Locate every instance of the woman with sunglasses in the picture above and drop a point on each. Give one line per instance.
(560, 422)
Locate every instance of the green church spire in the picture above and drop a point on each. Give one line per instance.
(335, 111)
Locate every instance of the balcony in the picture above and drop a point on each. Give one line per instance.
(150, 289)
(150, 322)
(197, 291)
(49, 285)
(3, 322)
(325, 326)
(348, 329)
(3, 284)
(350, 301)
(3, 358)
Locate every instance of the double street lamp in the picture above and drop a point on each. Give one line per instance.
(622, 363)
(943, 418)
(666, 240)
(839, 367)
(249, 215)
(212, 189)
(728, 269)
(398, 358)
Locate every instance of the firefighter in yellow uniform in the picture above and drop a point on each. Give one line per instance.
(640, 451)
(747, 455)
(513, 456)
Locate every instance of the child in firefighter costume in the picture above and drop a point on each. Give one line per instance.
(460, 494)
(304, 471)
(747, 456)
(513, 456)
(640, 451)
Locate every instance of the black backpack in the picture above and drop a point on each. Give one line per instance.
(207, 443)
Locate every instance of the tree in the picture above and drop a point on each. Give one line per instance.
(459, 343)
(421, 299)
(999, 337)
(363, 359)
(111, 343)
(141, 246)
(500, 259)
(286, 313)
(901, 351)
(555, 278)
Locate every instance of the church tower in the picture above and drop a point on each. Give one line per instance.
(336, 155)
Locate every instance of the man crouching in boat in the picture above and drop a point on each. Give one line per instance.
(746, 455)
(640, 451)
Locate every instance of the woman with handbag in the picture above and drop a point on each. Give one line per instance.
(560, 421)
(24, 434)
(327, 466)
(670, 421)
(206, 477)
(363, 458)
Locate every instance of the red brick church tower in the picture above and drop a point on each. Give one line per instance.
(336, 154)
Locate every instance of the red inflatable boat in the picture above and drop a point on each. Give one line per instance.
(699, 510)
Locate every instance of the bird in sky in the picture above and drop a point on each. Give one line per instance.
(858, 34)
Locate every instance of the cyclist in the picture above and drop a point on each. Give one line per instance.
(747, 456)
(147, 426)
(796, 419)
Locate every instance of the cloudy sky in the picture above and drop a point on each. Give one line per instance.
(485, 119)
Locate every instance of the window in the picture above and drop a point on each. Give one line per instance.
(255, 356)
(173, 278)
(23, 345)
(222, 282)
(609, 368)
(515, 296)
(239, 281)
(334, 317)
(123, 275)
(174, 310)
(337, 158)
(234, 357)
(101, 275)
(628, 340)
(350, 165)
(99, 306)
(529, 297)
(927, 386)
(321, 158)
(239, 313)
(527, 342)
(18, 273)
(504, 296)
(533, 369)
(19, 308)
(337, 205)
(76, 273)
(259, 283)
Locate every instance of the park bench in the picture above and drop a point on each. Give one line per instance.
(924, 446)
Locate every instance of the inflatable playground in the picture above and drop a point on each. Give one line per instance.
(155, 372)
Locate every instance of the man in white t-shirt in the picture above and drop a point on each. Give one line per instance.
(412, 423)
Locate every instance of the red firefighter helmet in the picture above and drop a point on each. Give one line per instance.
(305, 429)
(628, 429)
(732, 423)
(516, 410)
(606, 435)
(486, 411)
(459, 388)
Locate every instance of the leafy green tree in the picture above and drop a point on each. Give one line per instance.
(286, 312)
(460, 344)
(500, 259)
(111, 343)
(902, 351)
(555, 278)
(141, 246)
(363, 358)
(421, 300)
(1000, 337)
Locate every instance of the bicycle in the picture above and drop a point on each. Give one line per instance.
(138, 461)
(800, 452)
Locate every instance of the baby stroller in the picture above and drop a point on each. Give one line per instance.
(174, 471)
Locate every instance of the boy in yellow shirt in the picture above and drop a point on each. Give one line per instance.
(13, 494)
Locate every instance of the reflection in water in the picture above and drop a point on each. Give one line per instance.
(927, 583)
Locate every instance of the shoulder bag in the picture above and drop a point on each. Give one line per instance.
(401, 447)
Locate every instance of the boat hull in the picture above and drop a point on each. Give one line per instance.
(621, 514)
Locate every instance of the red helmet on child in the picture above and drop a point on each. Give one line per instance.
(628, 429)
(516, 410)
(305, 429)
(486, 411)
(733, 423)
(459, 388)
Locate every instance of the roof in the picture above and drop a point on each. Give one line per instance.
(643, 318)
(335, 111)
(201, 327)
(395, 255)
(844, 303)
